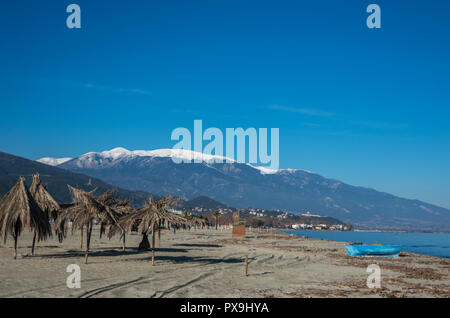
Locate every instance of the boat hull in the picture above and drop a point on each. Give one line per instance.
(373, 250)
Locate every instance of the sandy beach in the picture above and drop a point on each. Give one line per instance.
(209, 263)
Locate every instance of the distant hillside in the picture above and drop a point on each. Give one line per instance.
(56, 179)
(204, 202)
(244, 186)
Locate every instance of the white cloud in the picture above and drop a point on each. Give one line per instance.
(304, 111)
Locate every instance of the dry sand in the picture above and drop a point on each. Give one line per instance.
(209, 263)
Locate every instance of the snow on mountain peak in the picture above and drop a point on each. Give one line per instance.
(265, 170)
(53, 161)
(110, 157)
(183, 154)
(116, 153)
(97, 159)
(120, 152)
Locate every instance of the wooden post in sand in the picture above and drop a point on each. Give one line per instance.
(246, 264)
(123, 241)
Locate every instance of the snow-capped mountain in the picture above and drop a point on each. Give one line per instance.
(243, 185)
(56, 180)
(109, 158)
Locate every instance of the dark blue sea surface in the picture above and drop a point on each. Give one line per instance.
(435, 244)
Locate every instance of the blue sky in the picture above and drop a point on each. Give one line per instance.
(368, 107)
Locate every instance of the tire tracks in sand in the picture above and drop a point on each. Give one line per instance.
(158, 294)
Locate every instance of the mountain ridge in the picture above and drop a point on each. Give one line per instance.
(244, 186)
(56, 179)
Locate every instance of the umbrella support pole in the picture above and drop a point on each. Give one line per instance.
(15, 247)
(153, 247)
(153, 257)
(88, 241)
(60, 237)
(159, 238)
(123, 241)
(81, 237)
(34, 243)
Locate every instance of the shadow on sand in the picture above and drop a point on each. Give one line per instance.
(107, 252)
(192, 259)
(198, 245)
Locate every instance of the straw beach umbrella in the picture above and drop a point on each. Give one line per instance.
(18, 209)
(74, 208)
(86, 210)
(122, 208)
(46, 203)
(194, 220)
(70, 210)
(198, 220)
(107, 199)
(148, 219)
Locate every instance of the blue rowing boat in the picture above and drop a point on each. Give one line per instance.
(373, 250)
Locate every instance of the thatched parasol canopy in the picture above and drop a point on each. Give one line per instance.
(108, 198)
(47, 204)
(86, 210)
(154, 214)
(198, 221)
(43, 198)
(149, 219)
(121, 209)
(17, 209)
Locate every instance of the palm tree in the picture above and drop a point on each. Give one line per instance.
(216, 215)
(148, 219)
(18, 209)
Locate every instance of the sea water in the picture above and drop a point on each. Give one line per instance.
(435, 244)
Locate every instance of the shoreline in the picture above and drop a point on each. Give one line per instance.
(371, 231)
(402, 252)
(352, 242)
